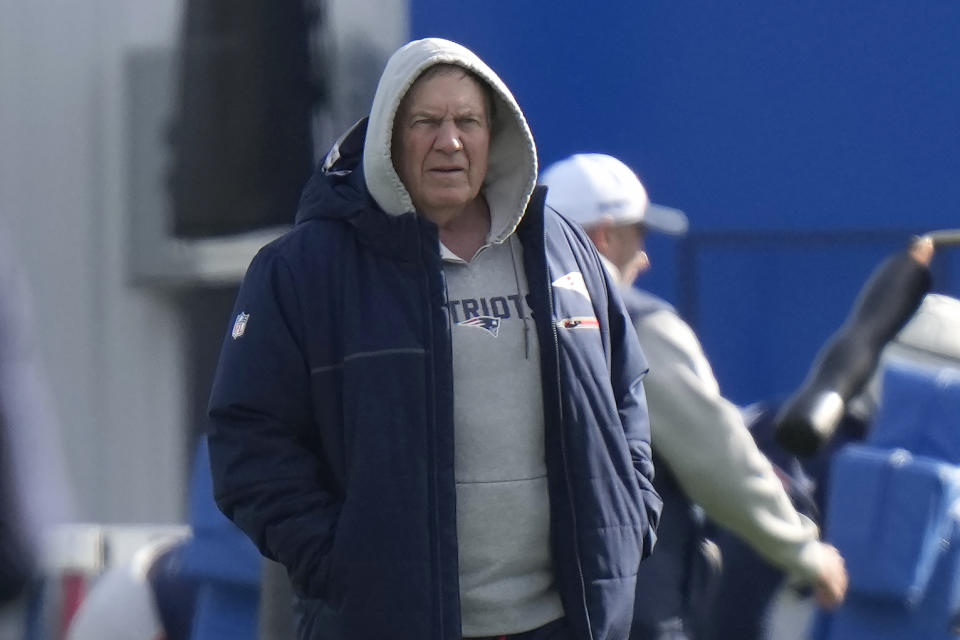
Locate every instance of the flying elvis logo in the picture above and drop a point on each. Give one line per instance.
(488, 323)
(487, 313)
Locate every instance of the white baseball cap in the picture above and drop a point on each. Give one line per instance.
(591, 187)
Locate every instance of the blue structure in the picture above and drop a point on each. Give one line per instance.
(222, 562)
(805, 141)
(893, 514)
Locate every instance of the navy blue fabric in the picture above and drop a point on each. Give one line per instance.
(556, 630)
(331, 419)
(665, 582)
(746, 588)
(174, 593)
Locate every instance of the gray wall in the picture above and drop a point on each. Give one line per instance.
(116, 353)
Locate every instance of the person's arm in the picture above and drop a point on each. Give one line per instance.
(628, 368)
(702, 438)
(268, 469)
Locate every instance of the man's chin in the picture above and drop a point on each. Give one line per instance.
(449, 198)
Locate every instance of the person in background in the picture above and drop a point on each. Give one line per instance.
(708, 456)
(34, 492)
(894, 320)
(429, 406)
(147, 598)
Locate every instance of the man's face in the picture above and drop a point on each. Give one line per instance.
(625, 248)
(441, 142)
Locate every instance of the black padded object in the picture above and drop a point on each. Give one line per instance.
(847, 360)
(242, 133)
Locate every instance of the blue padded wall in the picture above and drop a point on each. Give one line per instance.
(776, 119)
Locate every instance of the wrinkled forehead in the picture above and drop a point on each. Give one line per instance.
(439, 70)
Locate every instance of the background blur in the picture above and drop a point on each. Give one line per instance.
(806, 142)
(129, 318)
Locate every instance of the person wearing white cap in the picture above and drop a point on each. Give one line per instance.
(605, 196)
(706, 453)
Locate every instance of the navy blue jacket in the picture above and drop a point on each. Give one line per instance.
(331, 435)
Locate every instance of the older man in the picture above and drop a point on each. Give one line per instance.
(709, 456)
(429, 405)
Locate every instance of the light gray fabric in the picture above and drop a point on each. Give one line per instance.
(503, 515)
(512, 169)
(702, 438)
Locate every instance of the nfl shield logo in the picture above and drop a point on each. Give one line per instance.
(240, 325)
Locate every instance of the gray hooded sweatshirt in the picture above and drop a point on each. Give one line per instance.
(503, 519)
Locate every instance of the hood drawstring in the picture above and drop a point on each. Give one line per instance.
(521, 300)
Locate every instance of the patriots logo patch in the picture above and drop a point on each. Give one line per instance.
(573, 281)
(490, 324)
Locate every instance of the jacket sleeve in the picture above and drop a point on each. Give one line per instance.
(701, 436)
(268, 470)
(628, 367)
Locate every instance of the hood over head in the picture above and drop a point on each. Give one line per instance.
(512, 167)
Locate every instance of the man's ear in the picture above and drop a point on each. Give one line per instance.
(600, 234)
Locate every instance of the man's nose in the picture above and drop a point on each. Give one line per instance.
(448, 138)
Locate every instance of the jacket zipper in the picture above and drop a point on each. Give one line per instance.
(434, 490)
(439, 569)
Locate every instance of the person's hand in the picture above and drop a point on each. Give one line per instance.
(830, 585)
(921, 250)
